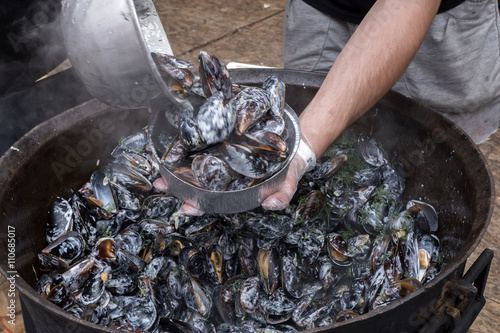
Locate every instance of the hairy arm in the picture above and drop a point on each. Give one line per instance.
(372, 61)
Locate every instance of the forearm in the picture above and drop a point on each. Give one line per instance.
(375, 57)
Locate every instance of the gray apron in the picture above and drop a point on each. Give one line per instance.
(456, 71)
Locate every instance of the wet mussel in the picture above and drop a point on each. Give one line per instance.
(224, 136)
(123, 255)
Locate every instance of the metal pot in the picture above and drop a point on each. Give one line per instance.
(442, 165)
(109, 44)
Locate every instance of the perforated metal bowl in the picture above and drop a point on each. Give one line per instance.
(225, 202)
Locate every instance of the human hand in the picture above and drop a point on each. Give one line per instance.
(304, 160)
(161, 185)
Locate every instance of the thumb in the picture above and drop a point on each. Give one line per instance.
(304, 160)
(161, 185)
(281, 199)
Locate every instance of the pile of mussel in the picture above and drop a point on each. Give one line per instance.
(225, 136)
(122, 255)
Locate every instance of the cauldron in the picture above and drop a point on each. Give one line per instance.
(442, 167)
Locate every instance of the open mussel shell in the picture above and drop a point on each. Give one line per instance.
(129, 262)
(270, 226)
(155, 227)
(203, 228)
(215, 268)
(63, 251)
(269, 268)
(370, 150)
(130, 178)
(338, 249)
(61, 296)
(175, 153)
(103, 191)
(292, 279)
(174, 71)
(248, 263)
(345, 315)
(395, 291)
(214, 76)
(328, 273)
(140, 311)
(105, 248)
(121, 283)
(310, 309)
(360, 246)
(309, 206)
(268, 139)
(428, 250)
(186, 175)
(424, 214)
(93, 289)
(225, 297)
(196, 298)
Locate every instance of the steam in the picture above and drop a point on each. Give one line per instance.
(30, 47)
(32, 44)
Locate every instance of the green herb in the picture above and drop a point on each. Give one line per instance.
(143, 292)
(349, 233)
(442, 258)
(110, 207)
(379, 238)
(345, 176)
(352, 249)
(385, 257)
(382, 295)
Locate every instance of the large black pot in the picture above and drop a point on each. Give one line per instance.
(442, 165)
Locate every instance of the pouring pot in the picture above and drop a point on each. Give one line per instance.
(109, 45)
(442, 165)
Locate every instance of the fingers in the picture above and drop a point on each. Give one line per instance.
(191, 210)
(160, 185)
